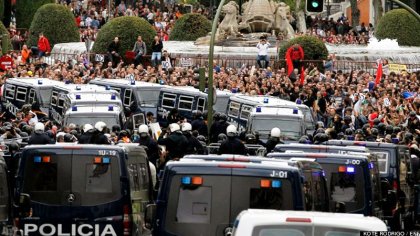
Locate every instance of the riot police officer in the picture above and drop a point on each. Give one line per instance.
(273, 140)
(39, 136)
(198, 123)
(176, 143)
(147, 141)
(99, 136)
(194, 146)
(232, 145)
(86, 137)
(219, 127)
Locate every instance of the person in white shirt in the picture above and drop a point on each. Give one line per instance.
(263, 46)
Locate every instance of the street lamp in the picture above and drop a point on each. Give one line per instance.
(210, 92)
(328, 8)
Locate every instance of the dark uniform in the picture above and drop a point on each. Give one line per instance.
(152, 148)
(86, 138)
(200, 125)
(176, 144)
(99, 138)
(232, 146)
(271, 144)
(216, 129)
(39, 138)
(194, 146)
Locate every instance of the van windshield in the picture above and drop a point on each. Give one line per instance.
(291, 129)
(299, 230)
(346, 184)
(50, 178)
(80, 120)
(148, 97)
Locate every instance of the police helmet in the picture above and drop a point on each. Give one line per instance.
(87, 128)
(216, 116)
(340, 135)
(197, 114)
(359, 131)
(396, 130)
(100, 126)
(348, 131)
(275, 132)
(116, 128)
(14, 146)
(376, 121)
(223, 117)
(389, 129)
(320, 131)
(143, 129)
(250, 138)
(174, 127)
(231, 131)
(381, 128)
(408, 136)
(69, 138)
(186, 127)
(375, 132)
(365, 129)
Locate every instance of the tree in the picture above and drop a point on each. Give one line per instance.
(190, 27)
(25, 11)
(355, 13)
(117, 27)
(56, 22)
(378, 10)
(313, 47)
(7, 44)
(399, 24)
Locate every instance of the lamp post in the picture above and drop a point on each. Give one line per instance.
(328, 9)
(210, 92)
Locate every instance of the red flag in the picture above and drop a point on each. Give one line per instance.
(289, 62)
(378, 74)
(302, 76)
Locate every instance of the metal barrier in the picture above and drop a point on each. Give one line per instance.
(252, 149)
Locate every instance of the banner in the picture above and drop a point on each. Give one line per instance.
(156, 131)
(397, 68)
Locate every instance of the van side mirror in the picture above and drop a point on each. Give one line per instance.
(24, 205)
(149, 215)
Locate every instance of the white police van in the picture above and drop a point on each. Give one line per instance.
(240, 106)
(290, 121)
(140, 97)
(255, 222)
(17, 92)
(80, 115)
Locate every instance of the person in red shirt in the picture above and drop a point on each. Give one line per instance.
(43, 45)
(294, 57)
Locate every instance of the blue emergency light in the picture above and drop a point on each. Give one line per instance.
(78, 96)
(107, 87)
(73, 108)
(113, 97)
(132, 82)
(67, 82)
(39, 81)
(258, 109)
(395, 140)
(265, 100)
(78, 88)
(110, 108)
(350, 169)
(106, 160)
(276, 184)
(298, 101)
(37, 159)
(370, 165)
(295, 111)
(186, 180)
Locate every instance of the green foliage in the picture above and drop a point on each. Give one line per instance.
(127, 28)
(25, 11)
(7, 45)
(56, 22)
(313, 47)
(190, 27)
(399, 24)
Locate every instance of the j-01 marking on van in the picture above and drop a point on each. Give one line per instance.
(68, 185)
(199, 197)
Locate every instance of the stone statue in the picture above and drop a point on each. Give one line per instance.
(257, 16)
(282, 25)
(229, 25)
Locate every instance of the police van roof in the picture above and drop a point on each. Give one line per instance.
(35, 82)
(92, 109)
(360, 143)
(124, 83)
(256, 217)
(229, 164)
(277, 111)
(188, 90)
(95, 96)
(261, 100)
(78, 87)
(73, 146)
(295, 146)
(316, 155)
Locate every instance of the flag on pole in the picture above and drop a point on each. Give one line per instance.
(378, 74)
(302, 76)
